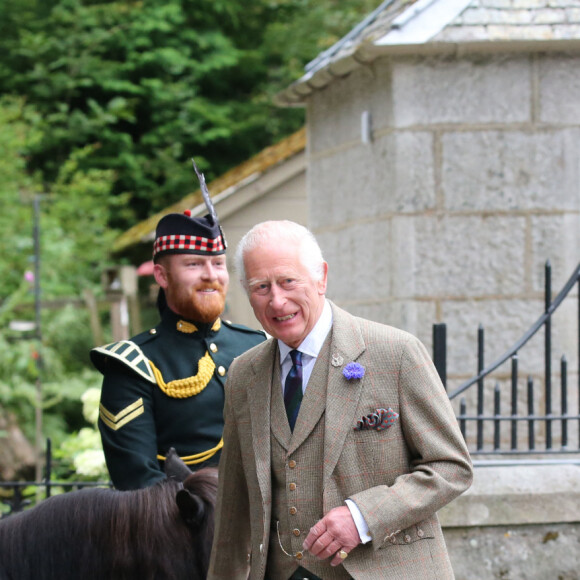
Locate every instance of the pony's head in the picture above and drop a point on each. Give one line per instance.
(196, 501)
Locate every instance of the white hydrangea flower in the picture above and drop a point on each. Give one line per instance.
(90, 463)
(88, 438)
(91, 398)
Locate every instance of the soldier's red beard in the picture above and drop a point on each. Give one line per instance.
(197, 306)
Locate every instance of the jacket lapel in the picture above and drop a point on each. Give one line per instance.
(278, 419)
(259, 401)
(343, 395)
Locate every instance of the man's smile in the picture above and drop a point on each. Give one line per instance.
(208, 289)
(284, 318)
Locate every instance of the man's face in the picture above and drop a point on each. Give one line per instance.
(285, 299)
(195, 286)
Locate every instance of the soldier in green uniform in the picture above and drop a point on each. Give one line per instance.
(165, 387)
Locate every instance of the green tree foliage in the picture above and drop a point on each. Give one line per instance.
(74, 212)
(15, 235)
(74, 240)
(149, 84)
(74, 225)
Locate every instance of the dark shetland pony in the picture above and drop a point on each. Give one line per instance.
(163, 532)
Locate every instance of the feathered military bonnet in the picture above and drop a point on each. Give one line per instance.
(179, 233)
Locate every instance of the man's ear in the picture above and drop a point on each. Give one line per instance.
(323, 281)
(160, 274)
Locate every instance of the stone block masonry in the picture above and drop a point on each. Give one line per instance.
(470, 183)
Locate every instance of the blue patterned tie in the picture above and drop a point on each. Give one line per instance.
(293, 388)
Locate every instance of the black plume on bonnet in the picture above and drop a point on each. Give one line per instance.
(179, 233)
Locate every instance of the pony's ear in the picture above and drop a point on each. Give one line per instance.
(191, 508)
(175, 468)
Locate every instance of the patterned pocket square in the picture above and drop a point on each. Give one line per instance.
(379, 420)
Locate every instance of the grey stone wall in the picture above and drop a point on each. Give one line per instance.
(516, 523)
(471, 182)
(528, 552)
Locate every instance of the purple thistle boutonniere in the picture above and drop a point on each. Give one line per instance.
(353, 371)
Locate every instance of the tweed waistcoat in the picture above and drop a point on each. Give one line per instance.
(297, 476)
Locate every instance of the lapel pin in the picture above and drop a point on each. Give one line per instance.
(337, 360)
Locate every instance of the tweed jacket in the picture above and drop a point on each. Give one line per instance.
(398, 477)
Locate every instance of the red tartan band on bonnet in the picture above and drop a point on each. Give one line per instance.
(185, 242)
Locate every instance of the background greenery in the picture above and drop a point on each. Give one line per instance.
(102, 104)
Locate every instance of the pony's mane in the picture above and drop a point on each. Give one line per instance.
(109, 534)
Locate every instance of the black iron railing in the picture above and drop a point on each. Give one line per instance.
(536, 417)
(17, 495)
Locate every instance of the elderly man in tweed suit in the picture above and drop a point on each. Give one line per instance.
(342, 477)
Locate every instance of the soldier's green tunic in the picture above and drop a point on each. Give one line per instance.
(165, 388)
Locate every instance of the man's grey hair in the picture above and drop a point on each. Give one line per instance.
(286, 232)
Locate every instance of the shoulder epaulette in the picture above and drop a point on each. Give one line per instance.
(242, 328)
(128, 353)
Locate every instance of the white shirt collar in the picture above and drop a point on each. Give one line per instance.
(312, 344)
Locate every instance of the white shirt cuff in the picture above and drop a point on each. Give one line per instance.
(359, 521)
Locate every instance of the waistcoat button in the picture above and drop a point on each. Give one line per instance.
(296, 532)
(293, 511)
(292, 486)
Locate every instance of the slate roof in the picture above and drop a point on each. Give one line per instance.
(431, 26)
(493, 20)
